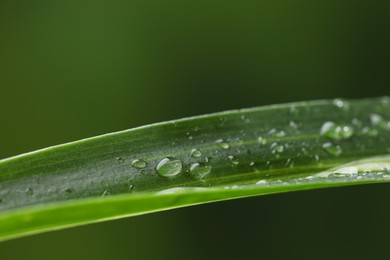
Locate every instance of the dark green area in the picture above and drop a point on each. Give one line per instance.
(77, 69)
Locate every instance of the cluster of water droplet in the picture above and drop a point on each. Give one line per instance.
(273, 140)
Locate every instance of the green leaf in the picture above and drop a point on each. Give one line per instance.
(196, 160)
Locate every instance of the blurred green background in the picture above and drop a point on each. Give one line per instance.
(75, 69)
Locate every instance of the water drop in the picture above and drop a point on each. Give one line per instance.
(251, 163)
(222, 144)
(277, 133)
(289, 163)
(357, 123)
(277, 148)
(234, 161)
(68, 190)
(336, 132)
(378, 120)
(293, 125)
(262, 140)
(261, 182)
(119, 159)
(196, 153)
(105, 193)
(371, 132)
(169, 167)
(199, 171)
(138, 164)
(340, 103)
(332, 149)
(293, 110)
(347, 171)
(29, 191)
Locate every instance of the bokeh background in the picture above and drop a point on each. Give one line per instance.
(75, 69)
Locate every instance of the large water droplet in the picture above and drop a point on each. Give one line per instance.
(332, 149)
(336, 132)
(221, 143)
(169, 167)
(138, 164)
(196, 153)
(199, 171)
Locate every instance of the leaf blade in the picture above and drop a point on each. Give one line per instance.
(274, 143)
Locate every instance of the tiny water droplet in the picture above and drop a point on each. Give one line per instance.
(199, 171)
(138, 164)
(261, 182)
(332, 149)
(119, 159)
(251, 163)
(293, 110)
(293, 125)
(169, 167)
(29, 191)
(289, 163)
(221, 143)
(347, 171)
(196, 153)
(371, 132)
(233, 160)
(336, 132)
(262, 140)
(340, 103)
(376, 119)
(277, 148)
(277, 133)
(357, 123)
(105, 193)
